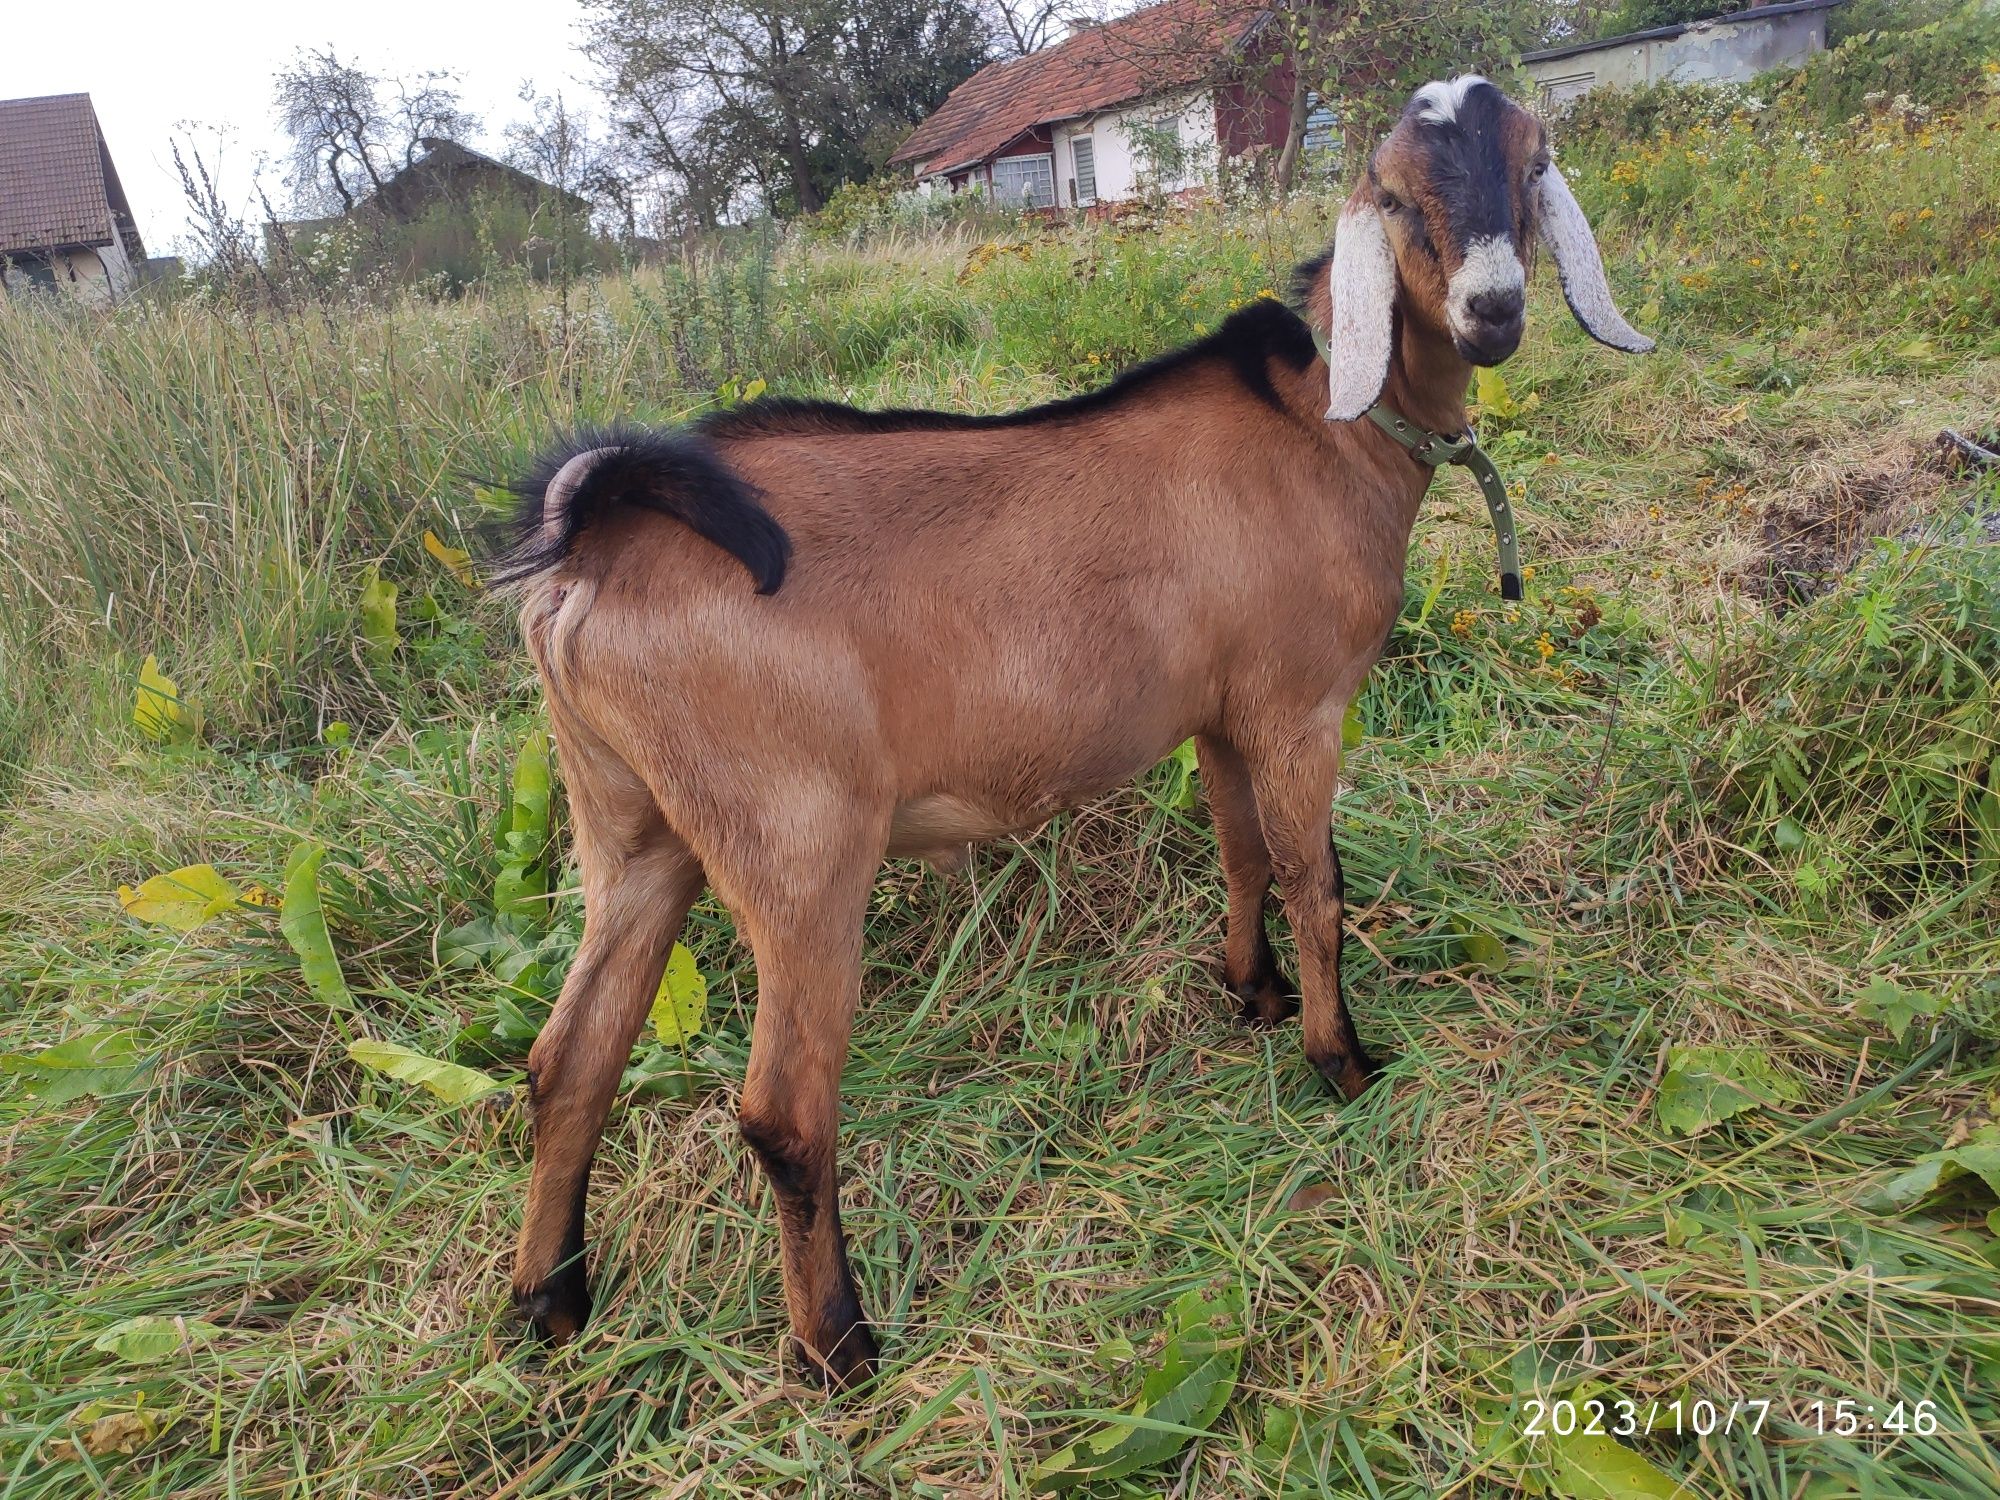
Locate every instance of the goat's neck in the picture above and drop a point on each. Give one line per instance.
(1427, 379)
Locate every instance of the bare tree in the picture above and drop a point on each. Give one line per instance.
(1018, 27)
(351, 129)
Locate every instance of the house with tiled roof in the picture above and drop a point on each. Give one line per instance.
(1157, 98)
(64, 220)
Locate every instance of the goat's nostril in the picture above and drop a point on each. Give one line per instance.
(1496, 308)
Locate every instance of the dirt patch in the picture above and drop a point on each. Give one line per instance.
(1814, 535)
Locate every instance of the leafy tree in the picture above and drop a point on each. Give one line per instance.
(778, 99)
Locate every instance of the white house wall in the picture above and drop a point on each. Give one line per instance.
(1112, 135)
(97, 276)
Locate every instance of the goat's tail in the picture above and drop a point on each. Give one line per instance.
(677, 474)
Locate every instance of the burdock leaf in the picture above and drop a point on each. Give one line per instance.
(95, 1062)
(448, 1081)
(1181, 1396)
(457, 559)
(180, 899)
(303, 920)
(148, 1340)
(1706, 1085)
(157, 707)
(681, 1005)
(1596, 1466)
(378, 617)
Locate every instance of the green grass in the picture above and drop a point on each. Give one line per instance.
(1718, 807)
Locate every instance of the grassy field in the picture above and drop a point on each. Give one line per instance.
(1673, 894)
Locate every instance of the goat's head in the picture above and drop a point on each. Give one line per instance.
(1442, 228)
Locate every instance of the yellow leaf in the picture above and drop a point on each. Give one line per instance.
(455, 558)
(157, 709)
(180, 899)
(682, 1003)
(1490, 391)
(754, 389)
(1733, 415)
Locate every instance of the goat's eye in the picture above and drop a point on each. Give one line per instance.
(1390, 203)
(1538, 171)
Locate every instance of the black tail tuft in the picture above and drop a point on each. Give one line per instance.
(677, 474)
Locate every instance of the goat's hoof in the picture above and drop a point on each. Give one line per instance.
(1348, 1073)
(558, 1308)
(1266, 1001)
(849, 1362)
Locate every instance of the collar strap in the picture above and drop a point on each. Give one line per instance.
(1437, 450)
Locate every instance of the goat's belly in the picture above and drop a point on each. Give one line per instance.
(939, 827)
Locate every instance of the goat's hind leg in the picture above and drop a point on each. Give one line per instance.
(808, 950)
(639, 880)
(1249, 967)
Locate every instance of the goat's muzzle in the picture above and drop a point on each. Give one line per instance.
(1491, 329)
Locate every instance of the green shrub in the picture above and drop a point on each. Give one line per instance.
(1937, 65)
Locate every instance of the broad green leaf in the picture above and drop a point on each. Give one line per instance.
(457, 559)
(521, 888)
(1352, 729)
(303, 921)
(755, 389)
(681, 1005)
(1478, 949)
(1179, 1399)
(1490, 391)
(1986, 822)
(95, 1062)
(1596, 1466)
(1977, 1156)
(157, 708)
(378, 617)
(146, 1341)
(1895, 1007)
(180, 899)
(1181, 767)
(449, 1081)
(1706, 1085)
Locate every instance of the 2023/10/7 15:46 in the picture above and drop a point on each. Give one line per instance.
(1701, 1417)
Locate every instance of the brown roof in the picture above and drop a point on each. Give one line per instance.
(57, 184)
(1173, 45)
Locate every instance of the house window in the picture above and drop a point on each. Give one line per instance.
(1027, 181)
(1084, 151)
(1556, 94)
(1322, 125)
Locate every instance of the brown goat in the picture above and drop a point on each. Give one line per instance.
(964, 625)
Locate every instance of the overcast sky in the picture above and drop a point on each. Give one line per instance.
(149, 66)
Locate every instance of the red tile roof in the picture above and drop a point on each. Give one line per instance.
(57, 184)
(1173, 45)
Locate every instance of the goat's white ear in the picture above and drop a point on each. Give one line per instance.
(1363, 283)
(1567, 234)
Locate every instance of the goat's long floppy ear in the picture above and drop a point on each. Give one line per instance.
(1567, 234)
(1363, 283)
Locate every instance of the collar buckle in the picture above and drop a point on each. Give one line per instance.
(1436, 449)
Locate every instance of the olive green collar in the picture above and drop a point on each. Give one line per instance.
(1437, 450)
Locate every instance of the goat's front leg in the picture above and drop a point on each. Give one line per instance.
(1249, 967)
(808, 956)
(1294, 784)
(636, 893)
